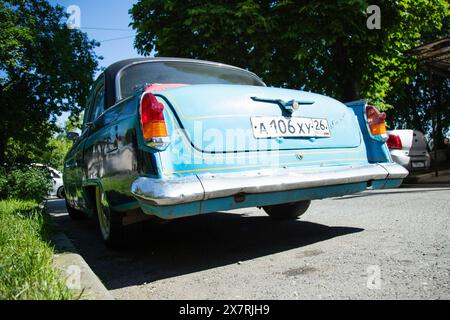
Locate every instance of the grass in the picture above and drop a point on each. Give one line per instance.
(26, 258)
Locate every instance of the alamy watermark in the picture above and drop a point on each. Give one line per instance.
(74, 20)
(374, 20)
(73, 280)
(374, 281)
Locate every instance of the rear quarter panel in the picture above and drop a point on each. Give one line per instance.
(377, 150)
(112, 155)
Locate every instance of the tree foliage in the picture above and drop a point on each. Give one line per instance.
(51, 154)
(417, 102)
(322, 46)
(26, 183)
(56, 151)
(45, 69)
(57, 148)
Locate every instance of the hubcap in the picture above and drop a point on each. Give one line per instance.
(103, 214)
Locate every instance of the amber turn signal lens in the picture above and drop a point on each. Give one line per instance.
(154, 129)
(378, 129)
(376, 120)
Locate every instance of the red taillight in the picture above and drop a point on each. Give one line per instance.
(394, 142)
(152, 120)
(377, 121)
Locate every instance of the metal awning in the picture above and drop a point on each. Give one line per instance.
(435, 56)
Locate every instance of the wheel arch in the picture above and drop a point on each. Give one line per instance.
(60, 193)
(89, 195)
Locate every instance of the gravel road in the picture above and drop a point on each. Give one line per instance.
(388, 244)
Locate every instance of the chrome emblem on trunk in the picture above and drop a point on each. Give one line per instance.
(295, 105)
(289, 106)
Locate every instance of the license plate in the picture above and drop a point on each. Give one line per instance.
(418, 165)
(273, 127)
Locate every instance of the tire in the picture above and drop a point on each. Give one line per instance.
(287, 211)
(110, 222)
(60, 193)
(74, 214)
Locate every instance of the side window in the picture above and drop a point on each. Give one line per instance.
(99, 104)
(55, 174)
(96, 102)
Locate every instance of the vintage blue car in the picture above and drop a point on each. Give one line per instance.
(170, 138)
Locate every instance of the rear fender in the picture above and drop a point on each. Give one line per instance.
(377, 151)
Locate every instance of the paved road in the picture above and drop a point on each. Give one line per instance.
(338, 245)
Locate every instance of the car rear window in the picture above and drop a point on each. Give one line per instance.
(190, 73)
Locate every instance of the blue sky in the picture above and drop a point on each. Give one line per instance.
(97, 15)
(104, 14)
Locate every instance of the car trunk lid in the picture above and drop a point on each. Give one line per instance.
(220, 118)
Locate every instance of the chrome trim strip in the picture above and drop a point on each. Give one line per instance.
(178, 190)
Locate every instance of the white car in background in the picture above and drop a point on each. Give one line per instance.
(409, 148)
(58, 187)
(57, 182)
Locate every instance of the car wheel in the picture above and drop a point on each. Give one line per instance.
(110, 221)
(60, 193)
(74, 214)
(288, 211)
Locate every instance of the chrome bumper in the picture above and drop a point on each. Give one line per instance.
(178, 190)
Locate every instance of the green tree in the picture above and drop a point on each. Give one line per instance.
(322, 46)
(415, 101)
(45, 69)
(58, 146)
(56, 151)
(74, 123)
